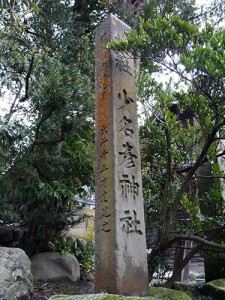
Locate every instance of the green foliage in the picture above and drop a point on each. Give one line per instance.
(46, 136)
(7, 213)
(184, 121)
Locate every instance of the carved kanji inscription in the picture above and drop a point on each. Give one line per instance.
(121, 261)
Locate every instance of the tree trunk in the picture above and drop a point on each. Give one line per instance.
(126, 6)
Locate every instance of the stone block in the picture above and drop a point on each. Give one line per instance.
(52, 266)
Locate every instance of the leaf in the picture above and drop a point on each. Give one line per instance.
(41, 185)
(35, 7)
(201, 217)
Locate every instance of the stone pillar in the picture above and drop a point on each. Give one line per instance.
(121, 258)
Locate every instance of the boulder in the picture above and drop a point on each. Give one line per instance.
(52, 266)
(15, 274)
(216, 289)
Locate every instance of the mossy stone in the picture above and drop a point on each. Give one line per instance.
(216, 288)
(154, 294)
(164, 294)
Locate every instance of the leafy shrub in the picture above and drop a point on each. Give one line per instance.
(7, 213)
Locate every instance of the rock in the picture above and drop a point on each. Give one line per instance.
(90, 276)
(82, 244)
(215, 288)
(52, 266)
(72, 240)
(6, 235)
(15, 274)
(164, 293)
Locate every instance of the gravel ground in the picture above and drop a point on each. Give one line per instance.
(42, 291)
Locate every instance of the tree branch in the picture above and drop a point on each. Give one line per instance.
(195, 238)
(42, 120)
(190, 254)
(43, 174)
(27, 79)
(168, 179)
(50, 142)
(192, 171)
(220, 154)
(206, 12)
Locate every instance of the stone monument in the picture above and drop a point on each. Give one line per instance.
(121, 257)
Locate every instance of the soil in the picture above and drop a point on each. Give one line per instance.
(43, 291)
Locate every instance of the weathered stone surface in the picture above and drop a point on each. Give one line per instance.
(90, 276)
(216, 288)
(52, 266)
(15, 274)
(156, 294)
(121, 258)
(72, 240)
(82, 244)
